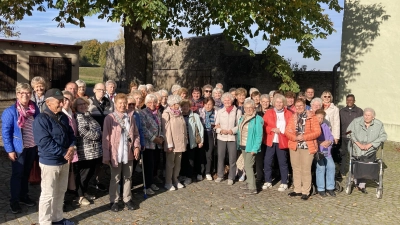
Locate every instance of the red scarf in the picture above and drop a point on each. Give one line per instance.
(23, 113)
(326, 105)
(229, 108)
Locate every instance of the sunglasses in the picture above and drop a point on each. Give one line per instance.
(131, 104)
(207, 91)
(327, 96)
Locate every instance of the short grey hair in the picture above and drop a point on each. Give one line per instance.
(163, 92)
(80, 83)
(265, 96)
(96, 86)
(38, 80)
(272, 93)
(111, 82)
(150, 98)
(159, 96)
(207, 86)
(150, 87)
(175, 87)
(227, 95)
(219, 84)
(371, 110)
(281, 97)
(217, 90)
(316, 100)
(142, 86)
(136, 92)
(173, 99)
(131, 96)
(253, 90)
(249, 102)
(23, 86)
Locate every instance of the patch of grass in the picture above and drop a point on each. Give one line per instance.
(91, 75)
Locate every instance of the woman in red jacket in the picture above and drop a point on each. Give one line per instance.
(302, 132)
(275, 121)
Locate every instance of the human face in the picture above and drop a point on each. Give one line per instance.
(256, 99)
(310, 93)
(73, 88)
(217, 95)
(39, 89)
(185, 108)
(299, 107)
(144, 92)
(81, 106)
(241, 98)
(233, 93)
(24, 96)
(55, 105)
(315, 106)
(207, 93)
(209, 106)
(110, 89)
(164, 99)
(184, 95)
(139, 100)
(68, 99)
(320, 118)
(196, 95)
(177, 106)
(265, 103)
(327, 98)
(121, 104)
(248, 109)
(81, 91)
(99, 91)
(289, 101)
(131, 105)
(278, 104)
(368, 117)
(227, 102)
(350, 102)
(151, 105)
(134, 88)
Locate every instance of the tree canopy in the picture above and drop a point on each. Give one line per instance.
(273, 20)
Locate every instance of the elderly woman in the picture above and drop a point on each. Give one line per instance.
(17, 134)
(175, 88)
(151, 124)
(332, 115)
(226, 129)
(99, 105)
(110, 90)
(194, 155)
(197, 100)
(81, 88)
(121, 145)
(89, 149)
(174, 130)
(240, 97)
(137, 95)
(133, 86)
(39, 88)
(164, 98)
(275, 121)
(184, 93)
(367, 134)
(302, 132)
(290, 97)
(143, 88)
(265, 103)
(255, 96)
(216, 94)
(207, 91)
(207, 116)
(249, 137)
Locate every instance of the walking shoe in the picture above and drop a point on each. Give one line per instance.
(114, 207)
(331, 193)
(63, 222)
(243, 177)
(149, 191)
(304, 197)
(179, 185)
(15, 208)
(322, 194)
(130, 206)
(230, 182)
(218, 180)
(187, 181)
(208, 177)
(89, 197)
(157, 180)
(294, 194)
(244, 187)
(283, 187)
(267, 185)
(154, 187)
(250, 192)
(27, 201)
(169, 187)
(181, 178)
(83, 201)
(199, 177)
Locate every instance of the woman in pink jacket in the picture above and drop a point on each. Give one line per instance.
(121, 145)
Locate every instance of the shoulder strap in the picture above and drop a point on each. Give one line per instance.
(96, 103)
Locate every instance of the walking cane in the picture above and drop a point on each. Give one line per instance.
(144, 181)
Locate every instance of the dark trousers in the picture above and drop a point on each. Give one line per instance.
(260, 163)
(21, 169)
(344, 155)
(83, 171)
(187, 163)
(157, 160)
(282, 160)
(148, 162)
(209, 149)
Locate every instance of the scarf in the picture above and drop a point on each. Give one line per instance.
(326, 105)
(229, 109)
(207, 121)
(279, 111)
(175, 112)
(154, 113)
(71, 120)
(123, 143)
(23, 113)
(301, 122)
(218, 103)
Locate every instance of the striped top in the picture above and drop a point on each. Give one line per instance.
(89, 139)
(27, 133)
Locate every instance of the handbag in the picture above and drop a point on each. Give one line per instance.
(35, 174)
(319, 156)
(196, 132)
(283, 141)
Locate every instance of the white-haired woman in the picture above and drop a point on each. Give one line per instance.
(175, 88)
(174, 130)
(151, 124)
(39, 89)
(367, 134)
(217, 93)
(81, 89)
(164, 97)
(226, 128)
(332, 115)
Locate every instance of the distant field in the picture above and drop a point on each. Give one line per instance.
(91, 75)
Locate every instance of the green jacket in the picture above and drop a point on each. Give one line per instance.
(254, 136)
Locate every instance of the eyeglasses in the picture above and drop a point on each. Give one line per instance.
(101, 90)
(66, 99)
(327, 96)
(82, 104)
(24, 93)
(207, 91)
(131, 104)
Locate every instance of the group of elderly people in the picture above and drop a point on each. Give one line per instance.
(176, 134)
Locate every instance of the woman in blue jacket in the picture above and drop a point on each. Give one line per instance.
(17, 134)
(249, 138)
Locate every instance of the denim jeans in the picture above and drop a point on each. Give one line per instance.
(325, 171)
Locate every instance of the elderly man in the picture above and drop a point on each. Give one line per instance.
(309, 95)
(56, 145)
(220, 86)
(72, 87)
(110, 89)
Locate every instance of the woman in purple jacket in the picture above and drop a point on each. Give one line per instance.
(326, 166)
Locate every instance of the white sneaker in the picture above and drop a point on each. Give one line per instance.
(179, 185)
(218, 180)
(283, 187)
(243, 177)
(89, 197)
(208, 177)
(83, 201)
(199, 177)
(169, 187)
(187, 181)
(154, 187)
(230, 182)
(149, 191)
(267, 185)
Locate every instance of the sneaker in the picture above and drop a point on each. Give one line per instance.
(283, 187)
(179, 185)
(169, 187)
(130, 206)
(89, 197)
(154, 187)
(331, 193)
(267, 185)
(208, 177)
(218, 180)
(15, 208)
(114, 207)
(230, 182)
(63, 222)
(187, 181)
(149, 191)
(199, 177)
(157, 180)
(83, 201)
(242, 178)
(27, 201)
(250, 192)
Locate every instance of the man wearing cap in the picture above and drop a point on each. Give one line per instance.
(56, 145)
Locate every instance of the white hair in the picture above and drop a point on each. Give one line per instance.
(249, 102)
(217, 90)
(111, 82)
(318, 100)
(80, 83)
(174, 99)
(38, 80)
(253, 90)
(150, 98)
(265, 96)
(371, 110)
(281, 97)
(150, 87)
(163, 91)
(227, 95)
(22, 86)
(142, 87)
(175, 87)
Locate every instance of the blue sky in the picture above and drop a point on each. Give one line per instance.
(41, 28)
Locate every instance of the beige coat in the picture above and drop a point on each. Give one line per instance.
(174, 130)
(227, 121)
(333, 120)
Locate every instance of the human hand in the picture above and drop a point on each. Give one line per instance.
(70, 154)
(367, 146)
(170, 149)
(230, 132)
(276, 130)
(136, 153)
(200, 145)
(325, 144)
(107, 162)
(217, 126)
(336, 141)
(12, 156)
